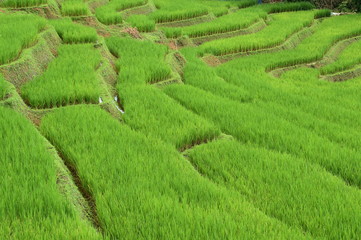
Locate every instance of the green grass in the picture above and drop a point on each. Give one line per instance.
(153, 113)
(69, 79)
(18, 31)
(74, 8)
(231, 22)
(142, 23)
(250, 73)
(169, 11)
(234, 21)
(251, 124)
(3, 88)
(280, 27)
(139, 61)
(157, 190)
(290, 189)
(287, 7)
(350, 57)
(74, 33)
(21, 3)
(31, 206)
(109, 13)
(321, 13)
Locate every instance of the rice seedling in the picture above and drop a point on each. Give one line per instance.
(109, 13)
(74, 8)
(287, 7)
(18, 31)
(230, 22)
(290, 189)
(234, 21)
(322, 13)
(74, 33)
(153, 113)
(280, 27)
(142, 23)
(156, 188)
(198, 74)
(21, 3)
(251, 124)
(250, 72)
(350, 57)
(305, 81)
(3, 87)
(31, 206)
(169, 11)
(139, 61)
(69, 79)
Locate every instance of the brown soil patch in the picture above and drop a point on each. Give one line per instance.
(212, 61)
(133, 32)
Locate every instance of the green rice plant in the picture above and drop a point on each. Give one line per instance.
(21, 3)
(250, 72)
(305, 81)
(153, 113)
(109, 13)
(139, 61)
(31, 206)
(142, 182)
(290, 189)
(142, 22)
(74, 33)
(346, 60)
(234, 21)
(169, 11)
(74, 8)
(3, 88)
(18, 31)
(287, 7)
(69, 79)
(198, 74)
(280, 27)
(251, 124)
(231, 22)
(321, 13)
(246, 3)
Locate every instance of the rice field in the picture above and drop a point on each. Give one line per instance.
(189, 119)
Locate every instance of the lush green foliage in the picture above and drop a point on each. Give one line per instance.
(234, 21)
(142, 23)
(74, 8)
(141, 182)
(322, 13)
(21, 3)
(74, 33)
(230, 22)
(346, 60)
(150, 111)
(69, 79)
(280, 27)
(258, 146)
(3, 88)
(139, 61)
(168, 11)
(31, 206)
(285, 187)
(18, 31)
(264, 128)
(285, 7)
(109, 13)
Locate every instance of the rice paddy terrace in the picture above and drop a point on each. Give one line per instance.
(187, 119)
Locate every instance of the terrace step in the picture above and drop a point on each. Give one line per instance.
(258, 26)
(188, 22)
